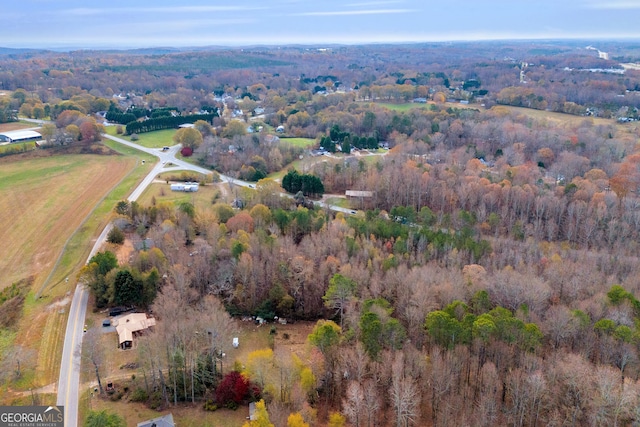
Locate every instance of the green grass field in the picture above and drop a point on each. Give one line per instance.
(407, 106)
(156, 139)
(299, 142)
(401, 107)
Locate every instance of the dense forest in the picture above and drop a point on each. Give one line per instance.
(490, 278)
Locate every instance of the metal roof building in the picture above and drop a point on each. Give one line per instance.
(19, 136)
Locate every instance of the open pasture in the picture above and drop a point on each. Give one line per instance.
(299, 142)
(155, 139)
(43, 201)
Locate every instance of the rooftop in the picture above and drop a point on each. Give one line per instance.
(21, 134)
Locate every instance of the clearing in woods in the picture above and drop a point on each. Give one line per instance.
(42, 202)
(288, 339)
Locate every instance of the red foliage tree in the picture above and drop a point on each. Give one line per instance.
(234, 388)
(241, 221)
(89, 131)
(186, 151)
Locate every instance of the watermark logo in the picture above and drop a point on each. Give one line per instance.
(31, 416)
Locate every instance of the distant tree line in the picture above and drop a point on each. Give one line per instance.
(167, 122)
(119, 117)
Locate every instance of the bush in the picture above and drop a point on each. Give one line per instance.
(231, 405)
(134, 137)
(210, 406)
(186, 151)
(139, 395)
(119, 130)
(155, 401)
(115, 236)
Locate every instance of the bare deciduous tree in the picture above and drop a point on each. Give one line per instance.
(94, 352)
(353, 405)
(404, 394)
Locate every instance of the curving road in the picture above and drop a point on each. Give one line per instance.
(69, 380)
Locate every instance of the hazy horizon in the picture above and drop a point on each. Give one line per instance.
(198, 23)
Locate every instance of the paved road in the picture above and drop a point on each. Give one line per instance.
(69, 380)
(70, 367)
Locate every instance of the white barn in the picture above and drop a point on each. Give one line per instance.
(20, 136)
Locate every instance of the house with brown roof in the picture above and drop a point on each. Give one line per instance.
(130, 325)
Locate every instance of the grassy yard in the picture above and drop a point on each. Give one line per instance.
(289, 338)
(338, 201)
(184, 416)
(156, 139)
(299, 142)
(407, 106)
(401, 107)
(202, 199)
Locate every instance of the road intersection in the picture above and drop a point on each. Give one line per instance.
(69, 380)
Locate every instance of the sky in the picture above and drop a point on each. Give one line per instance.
(189, 23)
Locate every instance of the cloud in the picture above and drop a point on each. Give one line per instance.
(616, 5)
(85, 11)
(354, 12)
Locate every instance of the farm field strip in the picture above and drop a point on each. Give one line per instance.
(45, 200)
(110, 179)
